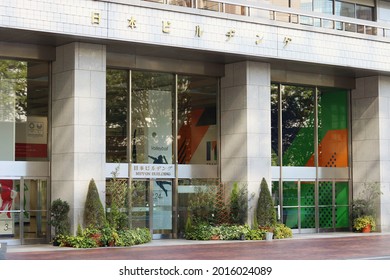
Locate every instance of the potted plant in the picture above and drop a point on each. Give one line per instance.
(265, 212)
(59, 218)
(364, 207)
(364, 223)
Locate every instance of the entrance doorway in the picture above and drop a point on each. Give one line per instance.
(24, 213)
(313, 206)
(152, 206)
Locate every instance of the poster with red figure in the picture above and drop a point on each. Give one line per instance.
(7, 196)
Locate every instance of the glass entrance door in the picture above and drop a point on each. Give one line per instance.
(152, 206)
(24, 211)
(9, 211)
(308, 206)
(162, 208)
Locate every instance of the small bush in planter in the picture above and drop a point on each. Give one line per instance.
(238, 205)
(94, 216)
(364, 221)
(281, 231)
(59, 219)
(265, 212)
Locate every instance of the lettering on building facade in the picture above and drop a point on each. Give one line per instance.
(166, 28)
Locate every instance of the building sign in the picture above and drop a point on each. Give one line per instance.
(31, 138)
(152, 171)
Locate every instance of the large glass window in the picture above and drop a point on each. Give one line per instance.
(160, 105)
(346, 10)
(332, 128)
(24, 95)
(339, 8)
(152, 96)
(275, 125)
(299, 118)
(31, 223)
(311, 126)
(116, 115)
(197, 120)
(297, 125)
(152, 118)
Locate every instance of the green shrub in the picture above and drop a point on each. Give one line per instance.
(231, 232)
(255, 234)
(200, 231)
(92, 238)
(133, 237)
(265, 212)
(93, 211)
(116, 218)
(118, 195)
(366, 201)
(202, 205)
(238, 205)
(282, 231)
(59, 219)
(77, 241)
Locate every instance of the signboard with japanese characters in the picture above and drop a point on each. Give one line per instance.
(153, 171)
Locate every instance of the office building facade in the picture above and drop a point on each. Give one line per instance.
(173, 95)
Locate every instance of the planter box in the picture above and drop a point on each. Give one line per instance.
(269, 236)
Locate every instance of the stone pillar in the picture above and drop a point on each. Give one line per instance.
(371, 140)
(78, 124)
(246, 126)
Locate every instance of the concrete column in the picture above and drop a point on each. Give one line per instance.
(371, 140)
(78, 124)
(246, 126)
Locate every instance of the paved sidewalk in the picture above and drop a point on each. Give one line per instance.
(331, 246)
(175, 242)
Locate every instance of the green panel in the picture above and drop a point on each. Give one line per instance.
(342, 217)
(301, 149)
(342, 193)
(325, 216)
(290, 194)
(275, 192)
(308, 217)
(342, 201)
(307, 193)
(332, 111)
(290, 198)
(325, 193)
(325, 203)
(297, 125)
(290, 217)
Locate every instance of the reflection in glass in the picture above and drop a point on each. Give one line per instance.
(187, 188)
(297, 126)
(152, 122)
(342, 202)
(325, 204)
(197, 120)
(9, 208)
(346, 10)
(24, 101)
(139, 214)
(307, 201)
(117, 93)
(332, 128)
(275, 125)
(290, 204)
(35, 216)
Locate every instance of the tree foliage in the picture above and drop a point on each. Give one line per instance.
(238, 205)
(13, 89)
(93, 212)
(59, 219)
(265, 212)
